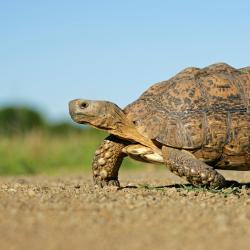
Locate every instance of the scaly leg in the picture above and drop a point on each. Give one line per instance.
(198, 173)
(107, 161)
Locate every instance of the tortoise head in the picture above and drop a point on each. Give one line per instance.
(100, 114)
(103, 115)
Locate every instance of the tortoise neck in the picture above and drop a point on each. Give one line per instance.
(126, 129)
(116, 122)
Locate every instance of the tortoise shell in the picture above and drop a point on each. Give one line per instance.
(206, 111)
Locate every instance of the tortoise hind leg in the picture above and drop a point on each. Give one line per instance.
(184, 164)
(107, 161)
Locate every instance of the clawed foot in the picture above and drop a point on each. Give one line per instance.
(106, 183)
(212, 180)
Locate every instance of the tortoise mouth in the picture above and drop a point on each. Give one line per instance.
(82, 118)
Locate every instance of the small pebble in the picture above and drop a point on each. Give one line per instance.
(247, 202)
(31, 193)
(131, 184)
(17, 185)
(12, 190)
(4, 186)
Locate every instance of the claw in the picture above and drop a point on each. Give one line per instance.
(105, 183)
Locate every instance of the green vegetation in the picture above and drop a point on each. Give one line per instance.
(22, 120)
(223, 191)
(29, 144)
(184, 189)
(19, 120)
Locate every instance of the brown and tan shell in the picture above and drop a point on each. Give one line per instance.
(206, 111)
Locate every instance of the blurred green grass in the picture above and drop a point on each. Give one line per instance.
(38, 152)
(31, 144)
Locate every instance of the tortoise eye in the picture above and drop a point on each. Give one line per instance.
(84, 105)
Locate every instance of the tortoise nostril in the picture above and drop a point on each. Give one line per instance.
(84, 105)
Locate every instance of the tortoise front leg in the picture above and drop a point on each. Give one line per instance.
(198, 173)
(107, 161)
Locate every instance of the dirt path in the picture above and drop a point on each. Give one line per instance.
(69, 213)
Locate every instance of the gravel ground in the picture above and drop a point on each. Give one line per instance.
(67, 212)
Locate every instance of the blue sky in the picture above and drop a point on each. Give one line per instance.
(54, 51)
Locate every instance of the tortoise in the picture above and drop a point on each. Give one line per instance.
(194, 123)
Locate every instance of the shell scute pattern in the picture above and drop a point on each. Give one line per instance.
(205, 108)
